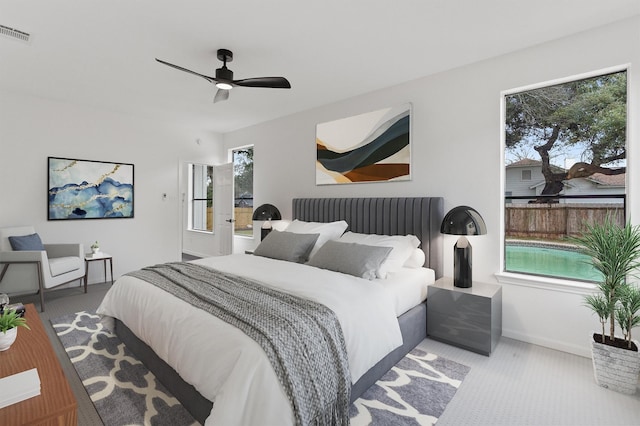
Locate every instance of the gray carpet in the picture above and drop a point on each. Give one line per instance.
(122, 389)
(519, 384)
(415, 392)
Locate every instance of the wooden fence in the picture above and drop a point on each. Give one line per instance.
(555, 221)
(243, 218)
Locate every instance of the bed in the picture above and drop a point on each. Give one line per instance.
(419, 216)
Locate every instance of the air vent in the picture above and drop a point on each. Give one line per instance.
(14, 34)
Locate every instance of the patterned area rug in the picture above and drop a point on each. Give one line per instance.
(415, 392)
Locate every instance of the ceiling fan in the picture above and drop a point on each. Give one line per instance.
(224, 77)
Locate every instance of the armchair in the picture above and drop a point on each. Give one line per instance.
(26, 271)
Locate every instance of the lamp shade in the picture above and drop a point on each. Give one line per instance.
(267, 212)
(463, 220)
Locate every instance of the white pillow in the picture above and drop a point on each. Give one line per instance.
(416, 260)
(402, 245)
(328, 231)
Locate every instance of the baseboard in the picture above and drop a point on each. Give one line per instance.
(548, 343)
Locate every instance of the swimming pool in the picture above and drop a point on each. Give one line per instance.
(550, 261)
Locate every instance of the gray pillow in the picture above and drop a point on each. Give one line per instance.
(287, 246)
(354, 259)
(26, 242)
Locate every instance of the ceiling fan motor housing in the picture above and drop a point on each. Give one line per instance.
(224, 73)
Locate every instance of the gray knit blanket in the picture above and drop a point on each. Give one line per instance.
(302, 339)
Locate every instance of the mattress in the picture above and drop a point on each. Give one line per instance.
(408, 287)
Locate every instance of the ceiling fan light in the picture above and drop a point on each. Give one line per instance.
(223, 86)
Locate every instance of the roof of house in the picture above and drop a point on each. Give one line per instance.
(597, 178)
(525, 162)
(529, 162)
(608, 180)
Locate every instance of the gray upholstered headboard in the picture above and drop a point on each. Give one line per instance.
(420, 216)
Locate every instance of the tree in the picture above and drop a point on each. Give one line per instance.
(588, 114)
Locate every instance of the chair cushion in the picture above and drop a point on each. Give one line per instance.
(62, 265)
(26, 242)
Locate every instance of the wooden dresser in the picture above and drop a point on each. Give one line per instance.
(56, 404)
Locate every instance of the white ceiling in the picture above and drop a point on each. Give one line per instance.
(101, 53)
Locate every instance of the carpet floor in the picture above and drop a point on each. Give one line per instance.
(519, 384)
(415, 392)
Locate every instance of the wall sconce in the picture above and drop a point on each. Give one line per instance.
(462, 220)
(267, 213)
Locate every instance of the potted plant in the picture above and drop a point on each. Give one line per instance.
(95, 247)
(615, 252)
(9, 323)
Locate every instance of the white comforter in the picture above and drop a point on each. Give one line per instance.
(225, 365)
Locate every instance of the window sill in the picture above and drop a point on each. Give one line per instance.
(245, 237)
(199, 231)
(546, 283)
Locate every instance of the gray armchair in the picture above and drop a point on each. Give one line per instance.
(27, 271)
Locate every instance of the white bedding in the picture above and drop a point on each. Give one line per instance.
(408, 287)
(229, 368)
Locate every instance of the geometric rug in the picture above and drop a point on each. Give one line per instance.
(414, 392)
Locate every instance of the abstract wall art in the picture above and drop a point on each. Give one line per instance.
(370, 147)
(85, 189)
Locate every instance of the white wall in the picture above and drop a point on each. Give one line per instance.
(31, 129)
(457, 154)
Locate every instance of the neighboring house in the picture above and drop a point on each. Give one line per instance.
(525, 178)
(244, 200)
(599, 184)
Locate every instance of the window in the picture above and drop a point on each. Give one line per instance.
(201, 197)
(243, 190)
(571, 137)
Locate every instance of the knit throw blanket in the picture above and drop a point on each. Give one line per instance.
(302, 339)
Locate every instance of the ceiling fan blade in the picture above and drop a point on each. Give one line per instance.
(221, 95)
(209, 79)
(270, 82)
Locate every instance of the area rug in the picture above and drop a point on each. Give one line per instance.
(415, 392)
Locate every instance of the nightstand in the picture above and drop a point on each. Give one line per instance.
(92, 257)
(470, 318)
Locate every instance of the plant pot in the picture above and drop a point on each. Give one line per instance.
(7, 338)
(95, 250)
(615, 368)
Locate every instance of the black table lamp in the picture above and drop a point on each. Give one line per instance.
(267, 213)
(462, 220)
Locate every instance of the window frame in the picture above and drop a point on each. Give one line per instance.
(537, 281)
(231, 156)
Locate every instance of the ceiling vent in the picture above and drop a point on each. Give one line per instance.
(14, 34)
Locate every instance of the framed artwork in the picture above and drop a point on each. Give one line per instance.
(370, 147)
(85, 189)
